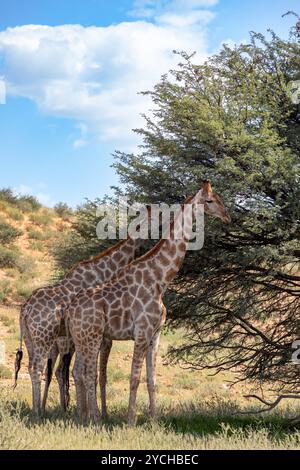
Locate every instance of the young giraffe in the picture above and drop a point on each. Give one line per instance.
(41, 316)
(131, 307)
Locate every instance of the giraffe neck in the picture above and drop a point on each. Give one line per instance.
(165, 259)
(102, 268)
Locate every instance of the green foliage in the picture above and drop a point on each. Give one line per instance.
(43, 219)
(13, 212)
(5, 290)
(25, 203)
(8, 233)
(81, 241)
(231, 119)
(5, 373)
(63, 210)
(26, 264)
(8, 257)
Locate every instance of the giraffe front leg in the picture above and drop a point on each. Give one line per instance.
(36, 371)
(81, 398)
(49, 372)
(140, 348)
(151, 377)
(90, 382)
(104, 355)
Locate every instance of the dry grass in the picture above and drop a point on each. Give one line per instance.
(194, 411)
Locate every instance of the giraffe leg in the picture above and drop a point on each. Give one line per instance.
(151, 378)
(90, 381)
(49, 372)
(36, 370)
(104, 355)
(140, 348)
(81, 398)
(65, 346)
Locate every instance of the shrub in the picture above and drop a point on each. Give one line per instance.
(41, 219)
(28, 203)
(63, 210)
(7, 195)
(8, 233)
(5, 291)
(39, 235)
(36, 245)
(14, 213)
(23, 290)
(5, 373)
(26, 264)
(8, 258)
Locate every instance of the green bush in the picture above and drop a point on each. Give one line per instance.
(63, 210)
(14, 213)
(26, 203)
(36, 245)
(34, 234)
(5, 373)
(8, 258)
(8, 233)
(23, 290)
(26, 264)
(7, 195)
(41, 219)
(5, 291)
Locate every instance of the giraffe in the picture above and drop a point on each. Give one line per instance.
(41, 317)
(130, 307)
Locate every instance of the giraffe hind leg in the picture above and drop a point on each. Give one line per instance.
(49, 373)
(104, 355)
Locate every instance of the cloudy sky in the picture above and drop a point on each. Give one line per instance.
(72, 71)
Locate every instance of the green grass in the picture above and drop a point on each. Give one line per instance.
(195, 411)
(190, 427)
(42, 219)
(5, 372)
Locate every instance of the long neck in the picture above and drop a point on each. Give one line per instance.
(168, 255)
(101, 269)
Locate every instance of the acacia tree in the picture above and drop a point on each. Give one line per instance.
(232, 120)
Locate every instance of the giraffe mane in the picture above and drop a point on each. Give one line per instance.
(95, 258)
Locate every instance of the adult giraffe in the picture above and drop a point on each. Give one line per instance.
(131, 307)
(41, 316)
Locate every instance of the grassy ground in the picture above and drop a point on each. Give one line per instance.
(195, 411)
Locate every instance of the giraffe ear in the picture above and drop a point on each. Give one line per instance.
(206, 187)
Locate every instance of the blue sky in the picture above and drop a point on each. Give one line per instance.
(72, 70)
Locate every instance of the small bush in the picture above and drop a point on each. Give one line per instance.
(63, 210)
(36, 245)
(23, 290)
(14, 213)
(5, 291)
(5, 372)
(8, 233)
(41, 219)
(26, 264)
(39, 235)
(7, 195)
(8, 258)
(28, 203)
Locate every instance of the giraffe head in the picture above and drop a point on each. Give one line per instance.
(213, 205)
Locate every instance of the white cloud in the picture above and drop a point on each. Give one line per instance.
(93, 74)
